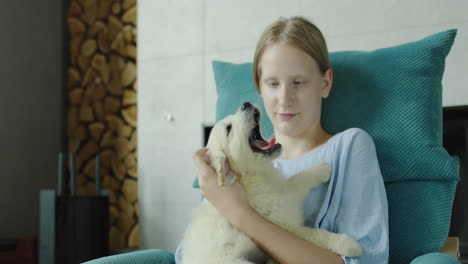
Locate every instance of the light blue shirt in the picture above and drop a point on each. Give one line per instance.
(353, 202)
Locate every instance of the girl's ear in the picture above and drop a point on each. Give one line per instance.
(327, 82)
(220, 163)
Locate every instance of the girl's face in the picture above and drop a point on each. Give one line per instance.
(292, 87)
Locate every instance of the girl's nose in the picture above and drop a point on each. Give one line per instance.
(285, 95)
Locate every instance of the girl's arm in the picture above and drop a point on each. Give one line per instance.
(277, 242)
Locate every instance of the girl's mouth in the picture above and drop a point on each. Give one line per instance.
(286, 116)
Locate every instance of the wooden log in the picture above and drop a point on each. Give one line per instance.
(118, 168)
(130, 115)
(96, 130)
(114, 123)
(89, 169)
(83, 62)
(107, 140)
(75, 47)
(134, 237)
(98, 61)
(125, 206)
(130, 16)
(75, 27)
(117, 64)
(74, 9)
(125, 224)
(76, 96)
(122, 147)
(129, 74)
(133, 140)
(96, 28)
(124, 131)
(89, 47)
(105, 73)
(90, 76)
(104, 9)
(111, 105)
(129, 97)
(116, 8)
(73, 144)
(86, 113)
(80, 181)
(135, 85)
(81, 132)
(114, 26)
(128, 3)
(113, 214)
(119, 44)
(99, 111)
(72, 124)
(106, 157)
(97, 91)
(104, 41)
(128, 33)
(133, 172)
(90, 11)
(74, 77)
(113, 196)
(110, 183)
(89, 150)
(130, 160)
(115, 87)
(116, 239)
(131, 51)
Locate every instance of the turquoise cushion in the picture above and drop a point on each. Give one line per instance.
(395, 94)
(149, 256)
(435, 258)
(419, 217)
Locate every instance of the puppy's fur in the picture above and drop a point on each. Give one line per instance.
(236, 156)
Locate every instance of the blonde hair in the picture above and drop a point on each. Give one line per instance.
(297, 32)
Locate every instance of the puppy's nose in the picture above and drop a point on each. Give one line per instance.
(246, 105)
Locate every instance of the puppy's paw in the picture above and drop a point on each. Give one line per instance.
(347, 246)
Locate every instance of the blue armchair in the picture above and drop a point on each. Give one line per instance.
(395, 95)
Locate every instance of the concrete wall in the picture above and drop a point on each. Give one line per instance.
(179, 39)
(30, 109)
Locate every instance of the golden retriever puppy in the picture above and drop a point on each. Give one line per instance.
(238, 152)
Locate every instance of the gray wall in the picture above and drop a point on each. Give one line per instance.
(31, 103)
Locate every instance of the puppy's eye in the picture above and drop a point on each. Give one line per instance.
(228, 128)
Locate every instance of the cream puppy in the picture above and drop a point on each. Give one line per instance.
(238, 152)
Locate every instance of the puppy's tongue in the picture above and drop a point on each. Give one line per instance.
(263, 145)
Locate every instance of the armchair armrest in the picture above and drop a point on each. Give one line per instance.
(153, 256)
(451, 247)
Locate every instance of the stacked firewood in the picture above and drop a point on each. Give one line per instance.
(102, 113)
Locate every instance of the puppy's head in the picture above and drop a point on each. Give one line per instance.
(236, 146)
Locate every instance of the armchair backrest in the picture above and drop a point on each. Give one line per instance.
(395, 95)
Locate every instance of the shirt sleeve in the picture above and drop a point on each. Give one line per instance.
(363, 207)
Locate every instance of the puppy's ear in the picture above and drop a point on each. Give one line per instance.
(220, 163)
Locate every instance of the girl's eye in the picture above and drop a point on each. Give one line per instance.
(273, 84)
(298, 82)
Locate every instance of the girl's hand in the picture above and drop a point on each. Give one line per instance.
(229, 200)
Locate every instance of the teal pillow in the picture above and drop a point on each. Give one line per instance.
(394, 93)
(435, 258)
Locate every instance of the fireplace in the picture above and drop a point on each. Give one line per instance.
(455, 142)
